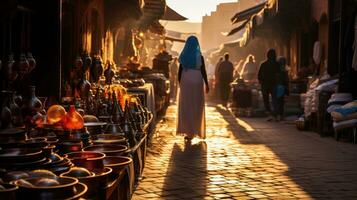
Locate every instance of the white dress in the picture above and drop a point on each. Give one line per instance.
(191, 104)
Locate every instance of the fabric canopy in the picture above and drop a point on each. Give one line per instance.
(172, 15)
(237, 29)
(248, 13)
(254, 18)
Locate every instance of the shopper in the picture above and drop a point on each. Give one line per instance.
(282, 89)
(249, 71)
(192, 75)
(225, 74)
(267, 78)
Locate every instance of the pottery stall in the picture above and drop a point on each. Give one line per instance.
(92, 145)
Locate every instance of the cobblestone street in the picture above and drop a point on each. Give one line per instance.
(247, 158)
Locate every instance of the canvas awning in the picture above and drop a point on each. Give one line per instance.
(253, 19)
(248, 13)
(237, 29)
(172, 15)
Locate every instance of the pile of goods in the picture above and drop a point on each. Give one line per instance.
(62, 153)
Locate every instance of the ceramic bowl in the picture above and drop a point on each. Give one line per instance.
(45, 188)
(69, 146)
(110, 139)
(87, 159)
(20, 155)
(95, 182)
(117, 163)
(108, 149)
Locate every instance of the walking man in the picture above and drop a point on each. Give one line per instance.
(225, 74)
(267, 78)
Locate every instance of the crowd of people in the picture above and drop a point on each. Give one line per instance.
(271, 75)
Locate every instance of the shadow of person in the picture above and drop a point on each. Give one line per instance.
(187, 171)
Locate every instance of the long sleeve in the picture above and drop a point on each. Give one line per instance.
(179, 73)
(203, 71)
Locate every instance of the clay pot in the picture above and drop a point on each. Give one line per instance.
(108, 149)
(110, 139)
(117, 163)
(67, 147)
(95, 182)
(87, 159)
(84, 87)
(44, 188)
(32, 62)
(31, 104)
(11, 138)
(20, 155)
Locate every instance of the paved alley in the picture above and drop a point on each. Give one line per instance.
(247, 159)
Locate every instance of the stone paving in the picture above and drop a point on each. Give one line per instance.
(246, 158)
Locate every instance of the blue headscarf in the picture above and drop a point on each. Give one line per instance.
(190, 56)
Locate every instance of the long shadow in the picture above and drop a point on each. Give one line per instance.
(187, 171)
(322, 168)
